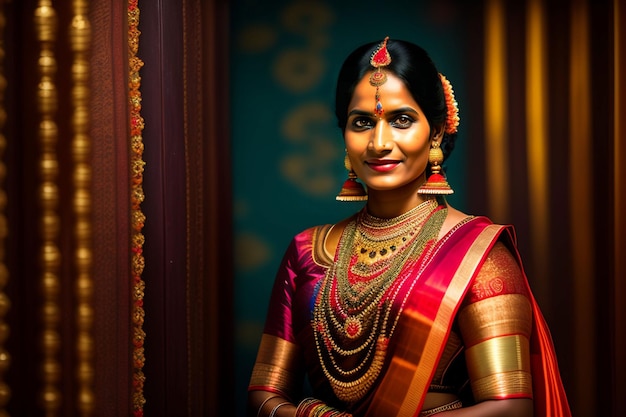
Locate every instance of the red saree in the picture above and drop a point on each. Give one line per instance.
(431, 314)
(424, 326)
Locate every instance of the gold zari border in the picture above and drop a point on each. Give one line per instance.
(513, 312)
(276, 365)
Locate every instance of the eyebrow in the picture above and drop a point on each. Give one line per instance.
(357, 112)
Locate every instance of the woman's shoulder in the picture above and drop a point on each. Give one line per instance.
(319, 241)
(499, 274)
(453, 218)
(331, 239)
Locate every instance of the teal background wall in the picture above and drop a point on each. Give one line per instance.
(287, 151)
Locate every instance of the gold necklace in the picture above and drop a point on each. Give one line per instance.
(358, 304)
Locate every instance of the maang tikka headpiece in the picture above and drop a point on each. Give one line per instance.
(380, 58)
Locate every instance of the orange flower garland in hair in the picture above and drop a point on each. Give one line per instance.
(452, 121)
(137, 217)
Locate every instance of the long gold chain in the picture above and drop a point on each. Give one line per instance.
(357, 307)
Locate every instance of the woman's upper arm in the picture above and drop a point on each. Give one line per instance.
(495, 321)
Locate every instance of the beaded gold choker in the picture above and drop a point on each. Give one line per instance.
(363, 293)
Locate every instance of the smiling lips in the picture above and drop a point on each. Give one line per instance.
(382, 165)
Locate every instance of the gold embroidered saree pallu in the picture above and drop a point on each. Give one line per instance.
(428, 318)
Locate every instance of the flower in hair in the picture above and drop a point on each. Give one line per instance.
(452, 121)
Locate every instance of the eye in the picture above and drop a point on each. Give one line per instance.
(403, 121)
(362, 123)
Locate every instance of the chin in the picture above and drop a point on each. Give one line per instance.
(392, 186)
(383, 188)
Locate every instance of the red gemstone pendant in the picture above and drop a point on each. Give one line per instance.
(352, 327)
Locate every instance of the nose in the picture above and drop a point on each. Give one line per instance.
(380, 141)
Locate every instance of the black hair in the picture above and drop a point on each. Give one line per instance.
(409, 62)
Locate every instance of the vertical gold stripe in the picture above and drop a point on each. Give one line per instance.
(619, 176)
(537, 138)
(80, 39)
(50, 257)
(496, 111)
(580, 167)
(5, 302)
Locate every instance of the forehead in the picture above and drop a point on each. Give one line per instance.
(393, 93)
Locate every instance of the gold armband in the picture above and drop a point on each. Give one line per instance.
(500, 368)
(276, 366)
(496, 316)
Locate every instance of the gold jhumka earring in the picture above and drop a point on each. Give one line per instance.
(437, 183)
(352, 190)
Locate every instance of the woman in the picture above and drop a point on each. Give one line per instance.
(410, 307)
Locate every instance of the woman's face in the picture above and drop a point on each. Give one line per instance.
(390, 151)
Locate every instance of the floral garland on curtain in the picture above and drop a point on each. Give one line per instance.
(137, 216)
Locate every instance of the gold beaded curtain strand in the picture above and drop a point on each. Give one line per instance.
(5, 303)
(48, 196)
(80, 39)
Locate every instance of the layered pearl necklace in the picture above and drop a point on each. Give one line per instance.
(360, 300)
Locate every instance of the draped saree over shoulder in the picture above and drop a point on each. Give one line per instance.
(428, 320)
(423, 329)
(428, 316)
